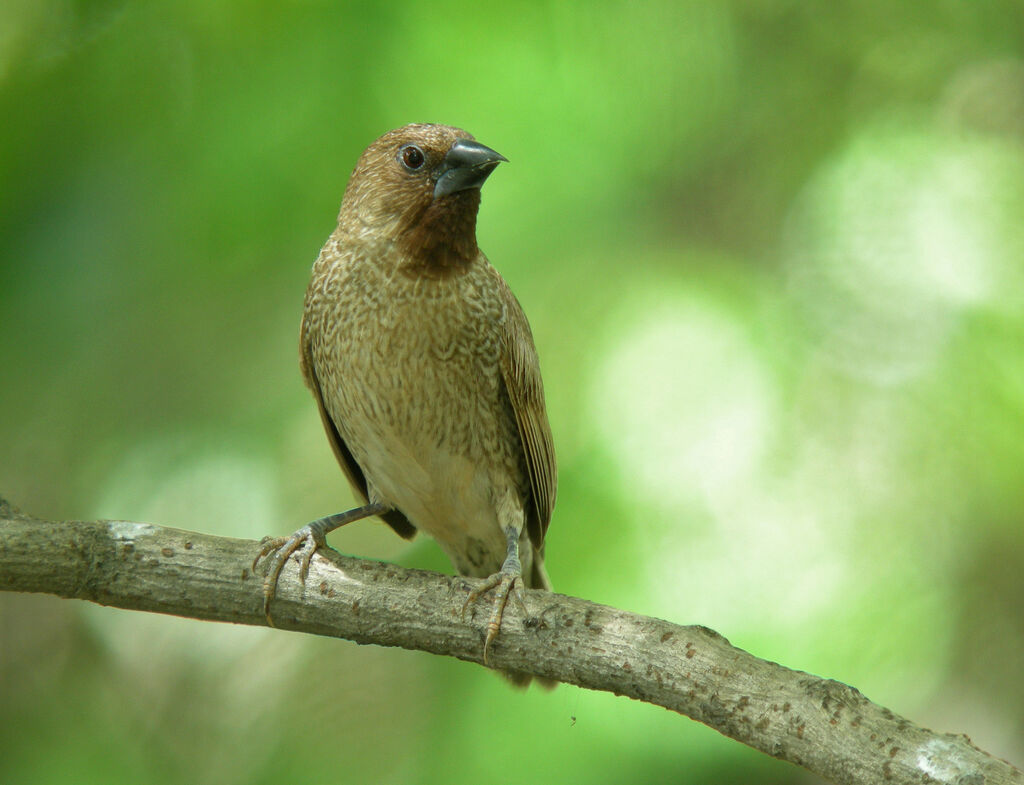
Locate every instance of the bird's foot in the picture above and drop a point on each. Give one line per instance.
(310, 538)
(507, 582)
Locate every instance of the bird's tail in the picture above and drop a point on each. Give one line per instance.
(538, 575)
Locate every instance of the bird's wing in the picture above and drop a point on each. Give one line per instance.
(395, 519)
(521, 373)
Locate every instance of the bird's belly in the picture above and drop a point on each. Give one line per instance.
(447, 496)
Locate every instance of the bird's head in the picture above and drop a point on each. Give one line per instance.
(417, 190)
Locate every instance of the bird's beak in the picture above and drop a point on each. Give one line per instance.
(466, 165)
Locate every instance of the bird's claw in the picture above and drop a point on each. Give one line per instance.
(309, 538)
(506, 583)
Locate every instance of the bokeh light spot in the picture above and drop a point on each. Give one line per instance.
(683, 402)
(895, 238)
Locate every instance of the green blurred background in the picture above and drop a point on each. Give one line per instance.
(773, 255)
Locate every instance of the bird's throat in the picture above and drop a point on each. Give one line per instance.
(441, 240)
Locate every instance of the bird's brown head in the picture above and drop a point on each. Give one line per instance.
(417, 190)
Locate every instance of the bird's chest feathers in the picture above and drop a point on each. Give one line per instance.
(417, 358)
(425, 330)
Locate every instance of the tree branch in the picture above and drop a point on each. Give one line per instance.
(820, 724)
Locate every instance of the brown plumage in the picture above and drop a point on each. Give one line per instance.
(424, 369)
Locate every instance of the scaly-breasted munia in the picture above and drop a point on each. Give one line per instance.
(424, 369)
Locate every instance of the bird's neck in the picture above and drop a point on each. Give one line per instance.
(441, 240)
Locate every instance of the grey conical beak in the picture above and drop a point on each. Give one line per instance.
(466, 165)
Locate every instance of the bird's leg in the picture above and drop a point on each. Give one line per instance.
(310, 538)
(507, 581)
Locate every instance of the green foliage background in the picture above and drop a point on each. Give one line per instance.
(773, 255)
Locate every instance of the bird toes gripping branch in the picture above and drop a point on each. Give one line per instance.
(310, 538)
(280, 549)
(506, 583)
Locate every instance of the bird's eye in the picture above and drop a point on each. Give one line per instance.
(412, 157)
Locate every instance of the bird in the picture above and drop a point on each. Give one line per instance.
(424, 369)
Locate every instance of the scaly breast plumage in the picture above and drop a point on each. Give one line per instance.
(426, 368)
